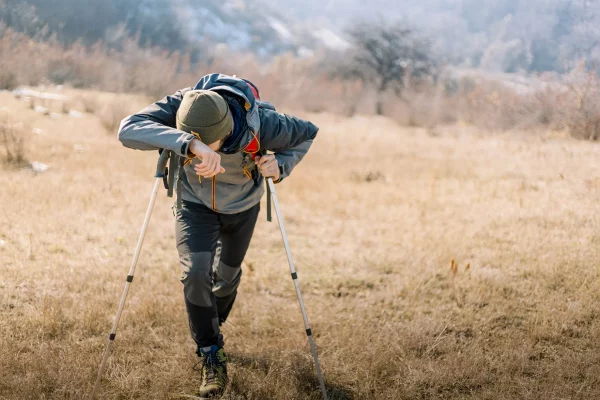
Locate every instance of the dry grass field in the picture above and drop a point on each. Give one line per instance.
(375, 215)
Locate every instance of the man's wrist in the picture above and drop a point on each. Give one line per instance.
(280, 174)
(190, 153)
(193, 147)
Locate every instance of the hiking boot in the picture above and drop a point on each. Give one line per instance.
(213, 371)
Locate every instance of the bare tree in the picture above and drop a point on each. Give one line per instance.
(386, 56)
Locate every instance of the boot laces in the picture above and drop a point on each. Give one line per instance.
(209, 367)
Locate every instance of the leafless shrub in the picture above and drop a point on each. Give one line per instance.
(8, 80)
(491, 106)
(580, 105)
(12, 140)
(112, 112)
(89, 103)
(570, 103)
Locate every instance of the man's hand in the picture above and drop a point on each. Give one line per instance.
(211, 161)
(268, 166)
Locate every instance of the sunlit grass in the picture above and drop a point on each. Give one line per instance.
(449, 266)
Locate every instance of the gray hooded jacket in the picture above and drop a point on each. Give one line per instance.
(240, 187)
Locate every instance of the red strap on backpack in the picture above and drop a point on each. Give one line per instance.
(253, 88)
(254, 145)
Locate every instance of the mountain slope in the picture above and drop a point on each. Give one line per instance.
(496, 35)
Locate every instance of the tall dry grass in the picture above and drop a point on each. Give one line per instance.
(451, 266)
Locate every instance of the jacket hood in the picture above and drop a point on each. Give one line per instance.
(241, 89)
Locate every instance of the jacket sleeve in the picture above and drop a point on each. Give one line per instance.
(287, 136)
(280, 132)
(153, 128)
(288, 159)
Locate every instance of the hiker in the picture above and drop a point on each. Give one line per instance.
(221, 131)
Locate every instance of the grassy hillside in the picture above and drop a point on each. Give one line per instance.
(375, 214)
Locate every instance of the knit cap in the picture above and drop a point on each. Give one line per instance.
(206, 113)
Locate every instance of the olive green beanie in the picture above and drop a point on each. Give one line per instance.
(206, 113)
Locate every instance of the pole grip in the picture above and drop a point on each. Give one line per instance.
(162, 163)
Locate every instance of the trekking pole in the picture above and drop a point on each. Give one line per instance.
(313, 347)
(160, 173)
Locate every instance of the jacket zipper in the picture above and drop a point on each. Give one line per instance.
(214, 188)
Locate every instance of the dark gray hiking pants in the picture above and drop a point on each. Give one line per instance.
(211, 249)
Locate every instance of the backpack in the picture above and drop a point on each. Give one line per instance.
(243, 89)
